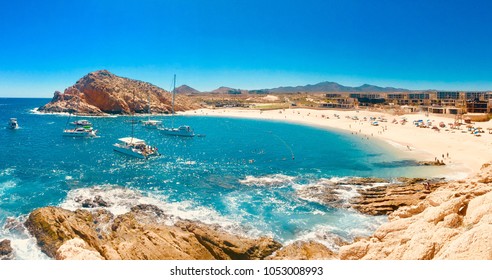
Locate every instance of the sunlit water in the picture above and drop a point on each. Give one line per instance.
(244, 175)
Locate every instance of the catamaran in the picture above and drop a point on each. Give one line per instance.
(13, 123)
(184, 130)
(135, 147)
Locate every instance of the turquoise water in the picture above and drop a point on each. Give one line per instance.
(245, 175)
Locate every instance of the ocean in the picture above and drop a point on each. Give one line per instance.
(251, 177)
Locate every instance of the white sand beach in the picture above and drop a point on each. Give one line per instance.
(463, 152)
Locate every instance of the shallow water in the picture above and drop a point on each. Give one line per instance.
(244, 174)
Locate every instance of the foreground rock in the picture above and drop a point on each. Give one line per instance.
(101, 92)
(453, 222)
(6, 251)
(140, 234)
(304, 250)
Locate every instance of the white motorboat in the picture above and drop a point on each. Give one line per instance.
(13, 123)
(135, 147)
(184, 131)
(80, 131)
(82, 123)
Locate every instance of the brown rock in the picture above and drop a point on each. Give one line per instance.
(6, 251)
(301, 250)
(101, 92)
(139, 234)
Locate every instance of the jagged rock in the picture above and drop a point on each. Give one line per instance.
(454, 222)
(139, 234)
(6, 251)
(301, 250)
(97, 201)
(101, 92)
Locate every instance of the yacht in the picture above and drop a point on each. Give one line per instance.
(151, 123)
(80, 131)
(13, 123)
(184, 130)
(135, 147)
(82, 123)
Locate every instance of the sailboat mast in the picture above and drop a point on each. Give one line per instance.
(133, 114)
(174, 93)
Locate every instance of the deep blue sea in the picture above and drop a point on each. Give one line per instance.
(245, 175)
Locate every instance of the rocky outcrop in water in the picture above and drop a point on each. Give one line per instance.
(373, 196)
(140, 234)
(6, 251)
(453, 222)
(101, 92)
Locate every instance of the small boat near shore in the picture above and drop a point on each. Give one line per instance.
(135, 147)
(13, 124)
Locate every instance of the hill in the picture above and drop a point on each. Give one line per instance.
(101, 92)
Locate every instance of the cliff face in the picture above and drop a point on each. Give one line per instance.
(102, 92)
(453, 222)
(140, 234)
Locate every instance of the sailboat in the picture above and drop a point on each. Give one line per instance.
(184, 130)
(150, 123)
(83, 128)
(135, 147)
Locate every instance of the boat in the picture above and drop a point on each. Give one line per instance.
(13, 124)
(184, 130)
(135, 147)
(80, 131)
(150, 123)
(82, 123)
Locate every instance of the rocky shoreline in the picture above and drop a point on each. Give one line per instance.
(427, 220)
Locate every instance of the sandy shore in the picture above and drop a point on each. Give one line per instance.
(462, 152)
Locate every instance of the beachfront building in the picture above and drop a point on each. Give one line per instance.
(338, 101)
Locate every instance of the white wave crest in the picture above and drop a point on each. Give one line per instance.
(268, 181)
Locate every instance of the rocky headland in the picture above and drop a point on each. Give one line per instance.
(102, 93)
(427, 219)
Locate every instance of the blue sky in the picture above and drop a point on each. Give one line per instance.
(48, 45)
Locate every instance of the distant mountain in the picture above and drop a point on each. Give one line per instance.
(228, 90)
(334, 87)
(184, 89)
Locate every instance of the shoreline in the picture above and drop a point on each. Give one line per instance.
(462, 152)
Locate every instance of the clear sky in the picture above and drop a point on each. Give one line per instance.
(417, 44)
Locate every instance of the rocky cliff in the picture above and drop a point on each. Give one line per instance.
(453, 222)
(101, 92)
(141, 234)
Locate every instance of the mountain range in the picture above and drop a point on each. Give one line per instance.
(319, 87)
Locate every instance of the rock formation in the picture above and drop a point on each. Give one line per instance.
(101, 92)
(304, 250)
(139, 234)
(453, 222)
(6, 251)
